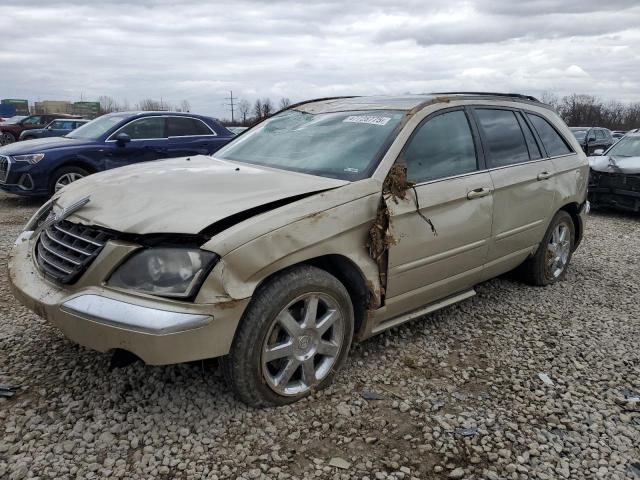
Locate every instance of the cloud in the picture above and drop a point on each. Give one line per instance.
(198, 51)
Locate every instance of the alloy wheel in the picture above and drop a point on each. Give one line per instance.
(303, 344)
(66, 179)
(558, 250)
(6, 139)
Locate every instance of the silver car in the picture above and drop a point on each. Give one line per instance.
(325, 224)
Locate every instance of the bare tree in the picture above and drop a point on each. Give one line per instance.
(267, 107)
(244, 108)
(257, 109)
(185, 106)
(284, 103)
(108, 104)
(149, 104)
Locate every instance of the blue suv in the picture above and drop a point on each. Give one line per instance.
(43, 166)
(57, 128)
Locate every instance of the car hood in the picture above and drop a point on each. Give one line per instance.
(615, 164)
(182, 195)
(40, 145)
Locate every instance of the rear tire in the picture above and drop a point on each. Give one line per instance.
(550, 262)
(64, 176)
(292, 339)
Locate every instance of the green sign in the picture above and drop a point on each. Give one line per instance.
(87, 108)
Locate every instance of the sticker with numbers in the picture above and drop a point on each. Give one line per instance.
(370, 119)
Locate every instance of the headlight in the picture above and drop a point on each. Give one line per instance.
(38, 217)
(167, 272)
(33, 158)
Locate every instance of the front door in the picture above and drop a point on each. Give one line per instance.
(455, 194)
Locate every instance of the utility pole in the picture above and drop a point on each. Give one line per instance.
(230, 104)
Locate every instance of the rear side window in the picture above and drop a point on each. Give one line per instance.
(441, 147)
(145, 128)
(532, 145)
(553, 143)
(504, 138)
(600, 135)
(184, 126)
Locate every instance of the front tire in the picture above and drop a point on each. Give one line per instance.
(6, 138)
(551, 260)
(64, 176)
(292, 339)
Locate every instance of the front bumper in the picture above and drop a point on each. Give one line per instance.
(20, 178)
(159, 331)
(617, 190)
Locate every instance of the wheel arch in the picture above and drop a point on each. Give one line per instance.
(348, 273)
(573, 209)
(76, 162)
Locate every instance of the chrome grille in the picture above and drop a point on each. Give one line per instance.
(4, 168)
(65, 250)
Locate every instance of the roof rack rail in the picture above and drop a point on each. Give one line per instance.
(492, 94)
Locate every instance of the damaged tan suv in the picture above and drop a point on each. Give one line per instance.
(329, 222)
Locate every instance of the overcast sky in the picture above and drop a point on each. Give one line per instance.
(198, 50)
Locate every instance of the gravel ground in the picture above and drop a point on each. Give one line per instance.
(454, 395)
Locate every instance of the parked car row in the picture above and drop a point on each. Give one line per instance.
(276, 252)
(10, 132)
(57, 128)
(593, 138)
(43, 166)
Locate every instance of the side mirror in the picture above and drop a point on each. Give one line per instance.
(598, 152)
(122, 139)
(591, 139)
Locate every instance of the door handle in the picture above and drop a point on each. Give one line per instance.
(478, 192)
(544, 175)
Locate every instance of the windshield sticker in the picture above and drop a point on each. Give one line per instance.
(370, 119)
(351, 170)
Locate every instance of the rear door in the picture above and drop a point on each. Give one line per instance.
(523, 178)
(453, 192)
(190, 136)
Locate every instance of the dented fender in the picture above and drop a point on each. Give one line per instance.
(295, 234)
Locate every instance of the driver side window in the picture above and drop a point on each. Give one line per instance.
(32, 121)
(442, 147)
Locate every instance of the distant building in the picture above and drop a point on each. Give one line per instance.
(53, 106)
(87, 109)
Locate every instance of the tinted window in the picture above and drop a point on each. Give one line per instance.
(504, 137)
(553, 143)
(32, 121)
(145, 128)
(64, 124)
(600, 135)
(442, 147)
(532, 145)
(183, 126)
